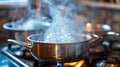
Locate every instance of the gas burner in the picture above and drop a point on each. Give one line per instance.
(113, 60)
(97, 53)
(47, 64)
(104, 64)
(22, 62)
(19, 51)
(113, 57)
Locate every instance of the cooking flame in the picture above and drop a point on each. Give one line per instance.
(80, 63)
(75, 64)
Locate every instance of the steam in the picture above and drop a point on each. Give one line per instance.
(67, 24)
(30, 21)
(64, 31)
(68, 20)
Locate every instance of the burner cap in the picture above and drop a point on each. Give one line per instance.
(113, 58)
(110, 65)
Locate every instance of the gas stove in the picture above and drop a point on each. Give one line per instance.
(19, 60)
(105, 54)
(22, 61)
(96, 58)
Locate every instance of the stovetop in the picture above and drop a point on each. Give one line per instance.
(19, 61)
(104, 53)
(23, 62)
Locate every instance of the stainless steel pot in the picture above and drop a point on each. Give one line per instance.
(56, 52)
(22, 34)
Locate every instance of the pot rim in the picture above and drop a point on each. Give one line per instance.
(88, 37)
(8, 26)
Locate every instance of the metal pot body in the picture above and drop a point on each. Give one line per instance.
(56, 52)
(59, 52)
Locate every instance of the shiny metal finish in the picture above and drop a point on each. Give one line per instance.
(59, 52)
(56, 52)
(22, 34)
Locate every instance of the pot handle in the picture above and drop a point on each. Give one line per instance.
(95, 40)
(25, 44)
(103, 37)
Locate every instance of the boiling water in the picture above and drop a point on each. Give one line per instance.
(61, 37)
(64, 31)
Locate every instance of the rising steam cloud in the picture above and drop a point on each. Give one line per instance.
(68, 19)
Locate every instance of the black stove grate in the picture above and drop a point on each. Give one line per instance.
(19, 61)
